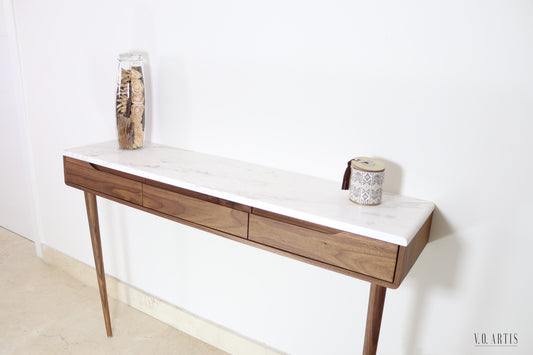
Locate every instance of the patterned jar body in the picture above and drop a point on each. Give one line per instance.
(130, 102)
(366, 181)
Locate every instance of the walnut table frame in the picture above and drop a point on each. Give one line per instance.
(297, 216)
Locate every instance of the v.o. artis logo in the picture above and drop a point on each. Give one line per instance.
(496, 339)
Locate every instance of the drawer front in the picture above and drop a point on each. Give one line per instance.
(198, 211)
(86, 175)
(342, 249)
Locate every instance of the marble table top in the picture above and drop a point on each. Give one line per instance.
(395, 220)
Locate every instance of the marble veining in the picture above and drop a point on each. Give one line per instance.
(395, 220)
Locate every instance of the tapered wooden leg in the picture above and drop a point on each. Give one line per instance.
(373, 318)
(92, 215)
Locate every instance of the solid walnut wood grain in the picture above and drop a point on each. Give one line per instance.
(86, 175)
(198, 195)
(195, 210)
(294, 221)
(376, 302)
(381, 263)
(127, 188)
(249, 242)
(342, 249)
(94, 228)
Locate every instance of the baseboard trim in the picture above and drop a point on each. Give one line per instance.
(209, 332)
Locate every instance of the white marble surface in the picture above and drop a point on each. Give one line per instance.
(395, 220)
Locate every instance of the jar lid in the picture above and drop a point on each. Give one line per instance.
(367, 164)
(130, 57)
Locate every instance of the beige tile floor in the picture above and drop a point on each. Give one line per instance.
(45, 311)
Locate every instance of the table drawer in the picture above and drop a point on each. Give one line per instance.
(87, 175)
(195, 210)
(349, 251)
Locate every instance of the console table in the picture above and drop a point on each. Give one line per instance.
(297, 216)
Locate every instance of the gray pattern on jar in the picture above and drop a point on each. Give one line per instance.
(366, 187)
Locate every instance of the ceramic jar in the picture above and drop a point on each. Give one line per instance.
(364, 180)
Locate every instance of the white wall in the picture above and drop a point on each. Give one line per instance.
(17, 200)
(440, 90)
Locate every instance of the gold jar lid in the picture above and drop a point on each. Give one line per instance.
(368, 164)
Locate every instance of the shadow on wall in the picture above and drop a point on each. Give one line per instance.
(393, 177)
(437, 269)
(437, 266)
